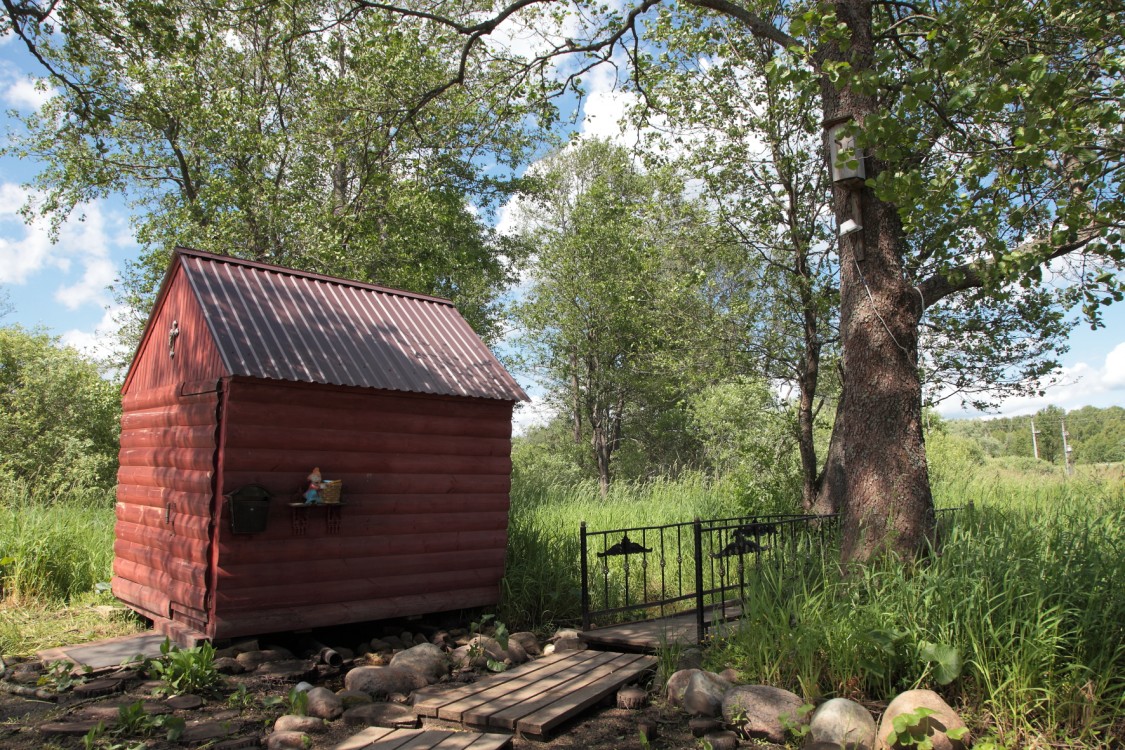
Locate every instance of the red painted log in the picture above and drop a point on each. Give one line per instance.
(188, 415)
(169, 395)
(178, 591)
(185, 571)
(347, 399)
(170, 437)
(143, 598)
(193, 504)
(274, 619)
(284, 484)
(319, 593)
(179, 524)
(195, 482)
(328, 567)
(258, 548)
(187, 459)
(290, 417)
(326, 438)
(334, 463)
(161, 542)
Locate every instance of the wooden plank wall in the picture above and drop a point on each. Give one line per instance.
(424, 525)
(164, 503)
(196, 356)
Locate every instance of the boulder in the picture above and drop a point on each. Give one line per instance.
(934, 726)
(840, 724)
(704, 693)
(676, 685)
(462, 658)
(516, 652)
(293, 723)
(288, 741)
(690, 658)
(722, 740)
(762, 711)
(353, 698)
(378, 682)
(528, 640)
(251, 660)
(489, 647)
(379, 645)
(324, 704)
(426, 659)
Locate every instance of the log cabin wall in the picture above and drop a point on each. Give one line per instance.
(423, 527)
(166, 479)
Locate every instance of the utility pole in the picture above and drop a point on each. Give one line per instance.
(1034, 440)
(1066, 448)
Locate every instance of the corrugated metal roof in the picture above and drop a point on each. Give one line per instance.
(277, 323)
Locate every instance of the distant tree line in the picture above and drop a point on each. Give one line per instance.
(1093, 435)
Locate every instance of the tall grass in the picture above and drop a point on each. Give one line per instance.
(52, 550)
(543, 582)
(1025, 590)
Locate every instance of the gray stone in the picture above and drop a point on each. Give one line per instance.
(677, 685)
(303, 687)
(528, 640)
(420, 638)
(288, 741)
(324, 704)
(407, 638)
(462, 658)
(425, 659)
(935, 726)
(380, 644)
(731, 675)
(293, 723)
(690, 658)
(184, 702)
(377, 659)
(378, 682)
(704, 694)
(761, 711)
(570, 643)
(721, 740)
(345, 653)
(228, 665)
(840, 724)
(251, 660)
(516, 652)
(489, 646)
(565, 633)
(389, 715)
(352, 698)
(287, 669)
(235, 649)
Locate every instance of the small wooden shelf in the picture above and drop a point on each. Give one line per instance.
(300, 518)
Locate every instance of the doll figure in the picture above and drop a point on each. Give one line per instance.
(312, 494)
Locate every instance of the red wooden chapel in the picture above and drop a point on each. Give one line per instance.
(249, 375)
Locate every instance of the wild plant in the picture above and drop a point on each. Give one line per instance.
(183, 671)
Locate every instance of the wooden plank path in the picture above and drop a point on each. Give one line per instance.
(651, 635)
(535, 697)
(378, 738)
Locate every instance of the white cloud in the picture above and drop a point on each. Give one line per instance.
(27, 254)
(527, 416)
(27, 94)
(100, 343)
(1080, 384)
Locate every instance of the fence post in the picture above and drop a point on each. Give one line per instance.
(585, 582)
(697, 532)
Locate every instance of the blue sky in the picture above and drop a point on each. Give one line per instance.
(62, 286)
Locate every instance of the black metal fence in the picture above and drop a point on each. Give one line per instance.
(701, 566)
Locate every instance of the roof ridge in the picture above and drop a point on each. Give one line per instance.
(285, 271)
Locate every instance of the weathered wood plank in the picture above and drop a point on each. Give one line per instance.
(377, 738)
(537, 692)
(486, 694)
(430, 705)
(543, 720)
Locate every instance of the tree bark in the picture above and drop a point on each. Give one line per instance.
(831, 485)
(888, 507)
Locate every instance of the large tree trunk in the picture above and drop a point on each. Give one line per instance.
(888, 504)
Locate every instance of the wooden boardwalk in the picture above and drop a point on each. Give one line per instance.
(535, 697)
(378, 738)
(651, 635)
